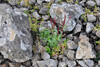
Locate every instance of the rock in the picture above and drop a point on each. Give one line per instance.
(82, 2)
(36, 15)
(90, 3)
(71, 44)
(40, 1)
(60, 57)
(70, 54)
(82, 36)
(84, 50)
(98, 33)
(70, 36)
(62, 64)
(13, 2)
(96, 65)
(43, 10)
(45, 17)
(14, 64)
(98, 2)
(16, 40)
(81, 63)
(99, 62)
(45, 56)
(4, 65)
(47, 63)
(45, 25)
(49, 1)
(67, 11)
(90, 63)
(1, 58)
(32, 2)
(91, 18)
(71, 63)
(89, 27)
(77, 28)
(27, 63)
(76, 39)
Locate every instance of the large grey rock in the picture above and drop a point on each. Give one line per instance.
(84, 50)
(71, 45)
(15, 37)
(32, 2)
(98, 2)
(91, 18)
(47, 63)
(59, 11)
(40, 1)
(90, 3)
(89, 27)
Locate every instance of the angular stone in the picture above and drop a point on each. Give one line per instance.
(36, 15)
(91, 18)
(70, 54)
(47, 63)
(90, 63)
(45, 56)
(98, 33)
(16, 40)
(98, 2)
(77, 28)
(62, 64)
(71, 63)
(90, 3)
(71, 45)
(67, 11)
(13, 2)
(89, 27)
(84, 50)
(43, 10)
(81, 63)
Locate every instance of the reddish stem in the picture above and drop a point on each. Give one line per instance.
(64, 20)
(68, 19)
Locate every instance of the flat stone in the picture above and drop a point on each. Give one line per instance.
(71, 63)
(16, 40)
(90, 63)
(70, 54)
(67, 11)
(81, 63)
(43, 10)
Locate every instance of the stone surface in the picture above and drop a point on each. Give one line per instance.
(36, 15)
(90, 63)
(90, 3)
(15, 42)
(91, 18)
(32, 2)
(71, 63)
(98, 2)
(70, 54)
(45, 56)
(71, 45)
(62, 64)
(70, 36)
(84, 50)
(98, 33)
(13, 2)
(47, 63)
(67, 11)
(40, 1)
(45, 17)
(89, 27)
(82, 36)
(77, 28)
(81, 63)
(43, 10)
